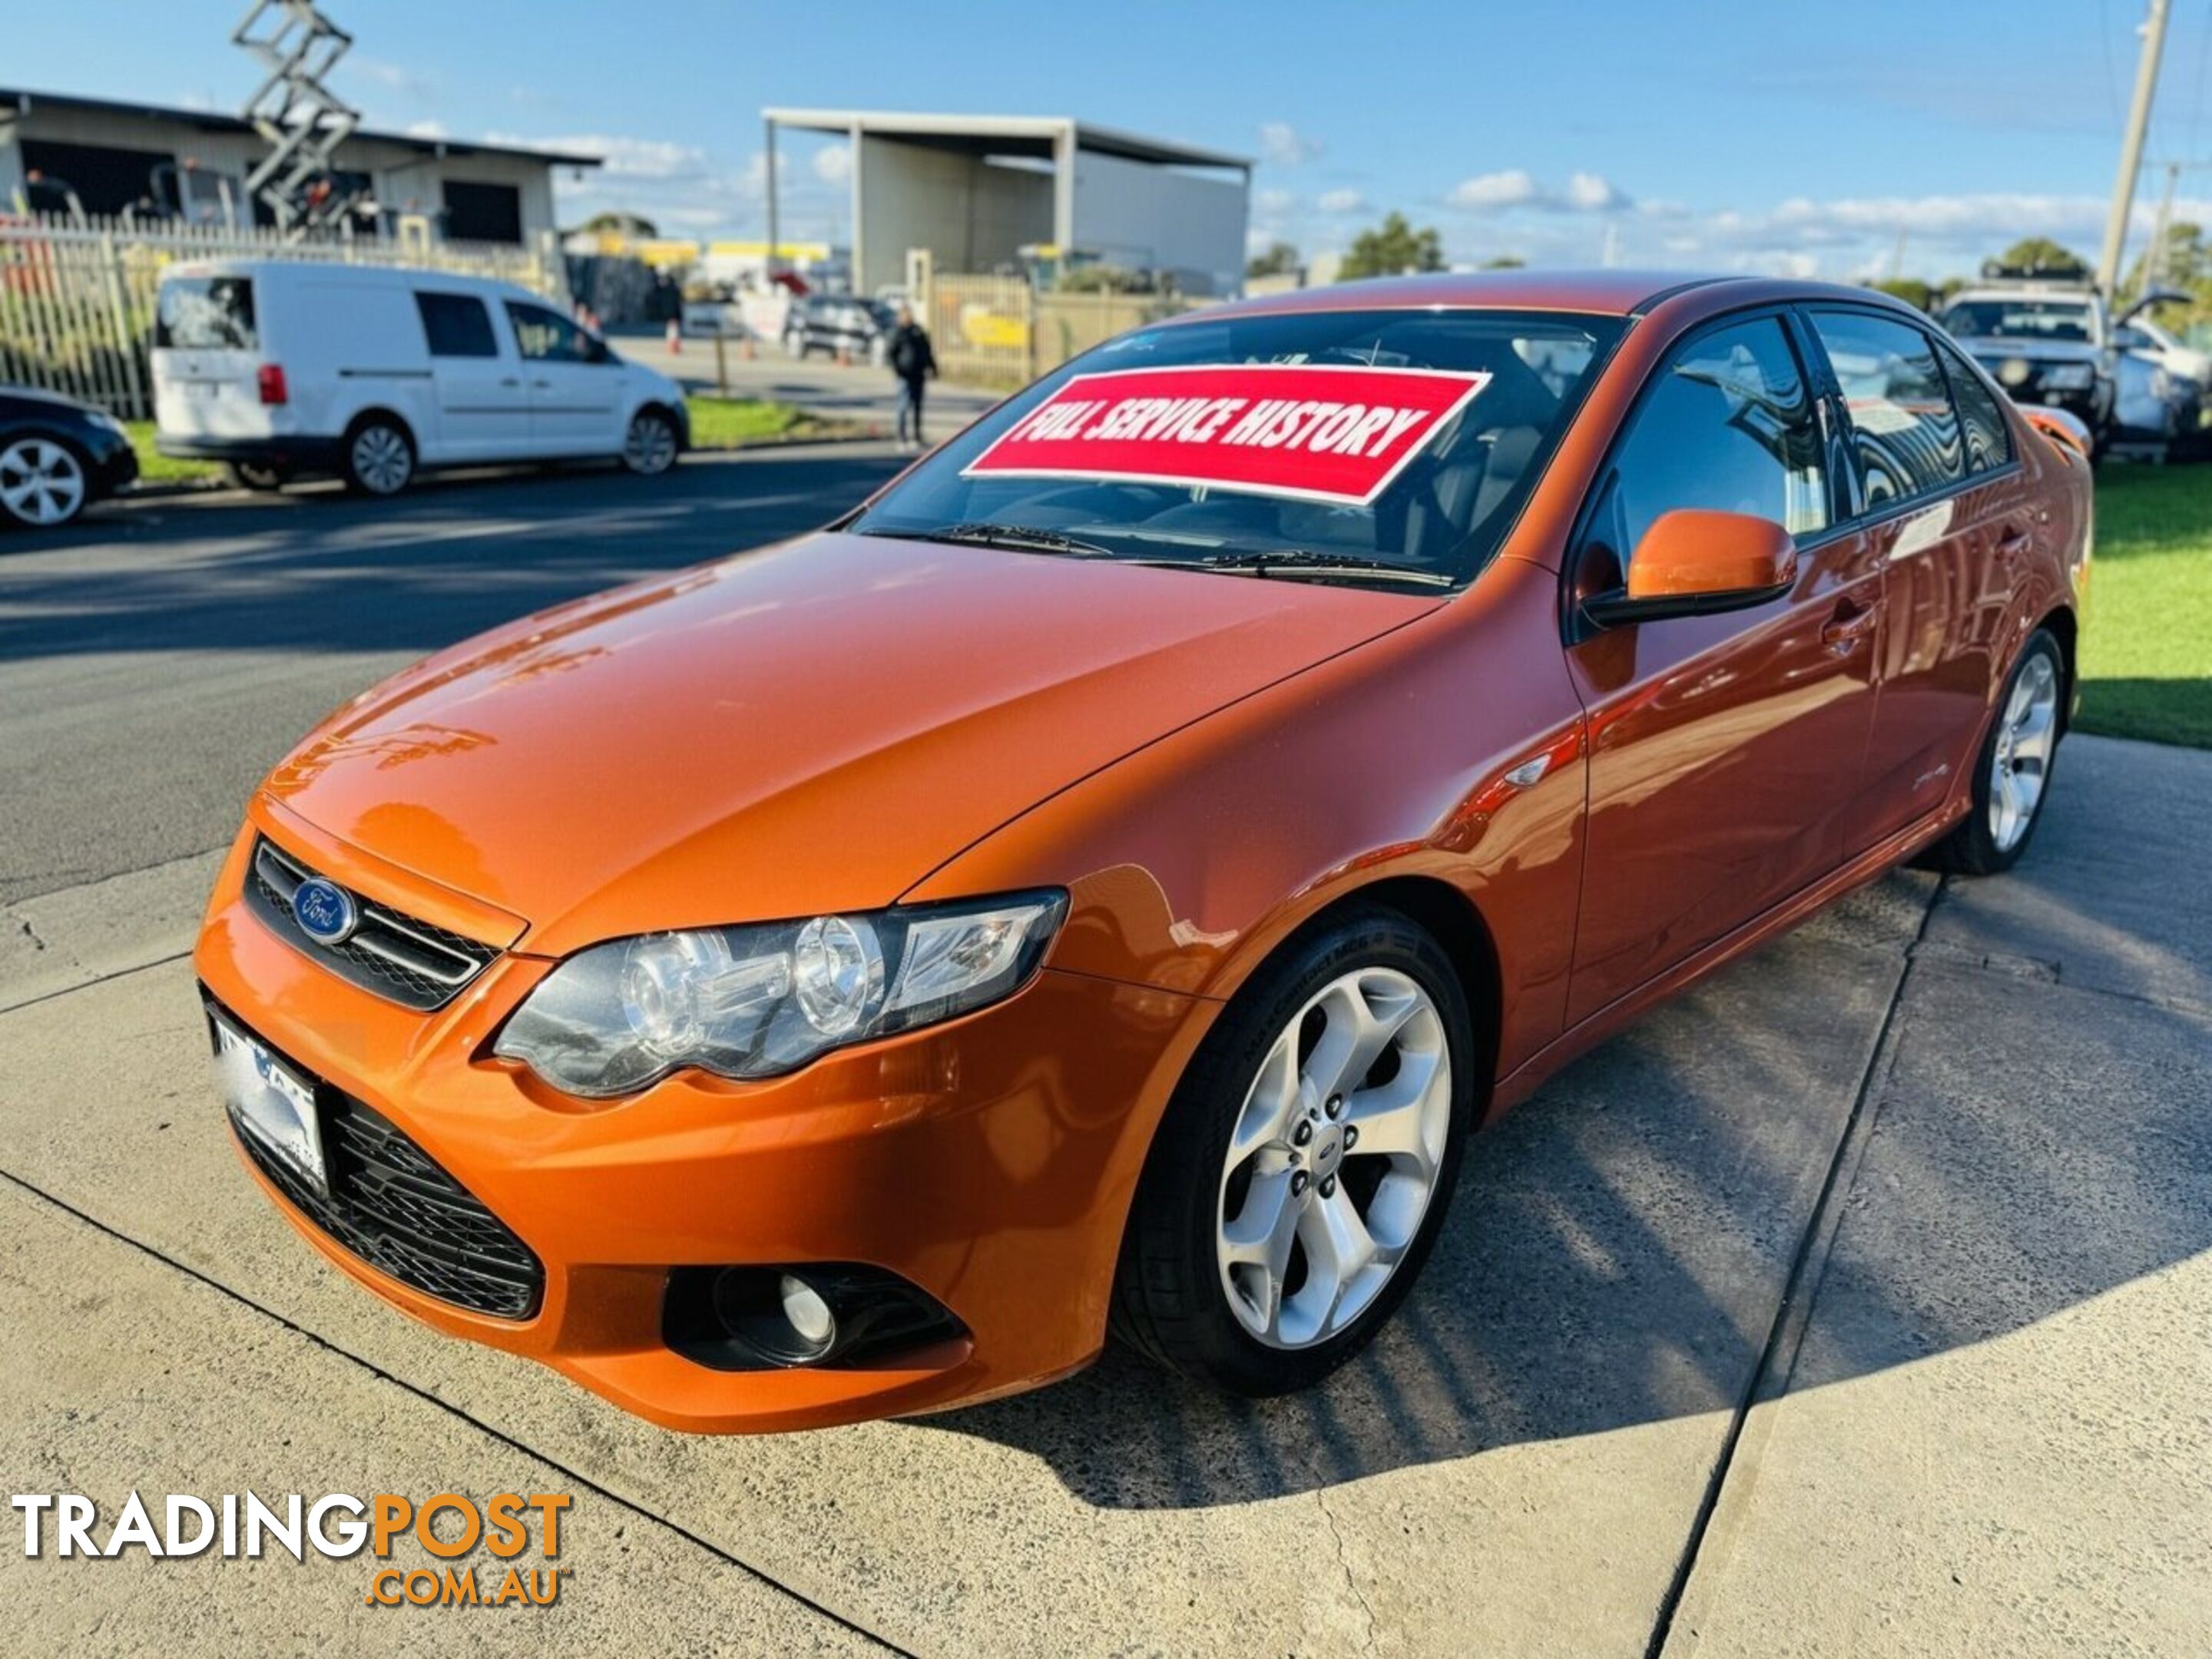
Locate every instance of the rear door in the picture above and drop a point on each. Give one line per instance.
(1726, 750)
(207, 359)
(1945, 510)
(483, 407)
(575, 388)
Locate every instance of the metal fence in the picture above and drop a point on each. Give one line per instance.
(77, 293)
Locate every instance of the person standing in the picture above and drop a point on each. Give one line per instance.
(913, 362)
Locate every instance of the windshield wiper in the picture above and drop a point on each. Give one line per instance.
(1302, 562)
(1024, 538)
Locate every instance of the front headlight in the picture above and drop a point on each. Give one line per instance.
(2069, 377)
(751, 1002)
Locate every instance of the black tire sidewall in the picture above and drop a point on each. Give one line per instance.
(1975, 851)
(353, 479)
(1179, 1196)
(665, 425)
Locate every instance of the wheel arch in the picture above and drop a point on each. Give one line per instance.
(362, 418)
(2066, 627)
(680, 419)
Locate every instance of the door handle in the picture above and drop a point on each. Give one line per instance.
(1850, 625)
(511, 380)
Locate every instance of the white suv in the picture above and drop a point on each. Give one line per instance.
(281, 368)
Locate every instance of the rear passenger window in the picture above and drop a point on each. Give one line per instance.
(1988, 439)
(457, 325)
(1727, 424)
(206, 313)
(1904, 427)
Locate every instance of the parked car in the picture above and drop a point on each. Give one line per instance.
(57, 457)
(2158, 413)
(284, 369)
(1101, 882)
(838, 322)
(2055, 342)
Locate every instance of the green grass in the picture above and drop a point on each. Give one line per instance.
(2147, 650)
(716, 423)
(154, 467)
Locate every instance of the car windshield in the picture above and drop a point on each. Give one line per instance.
(1376, 446)
(2020, 319)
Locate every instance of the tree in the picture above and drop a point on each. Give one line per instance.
(1505, 261)
(1391, 249)
(2042, 255)
(2187, 263)
(1280, 259)
(620, 224)
(1911, 289)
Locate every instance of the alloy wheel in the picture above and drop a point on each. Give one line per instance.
(650, 446)
(1334, 1157)
(41, 482)
(381, 460)
(2020, 761)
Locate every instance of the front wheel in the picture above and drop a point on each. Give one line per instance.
(379, 458)
(42, 482)
(1303, 1171)
(649, 447)
(2012, 774)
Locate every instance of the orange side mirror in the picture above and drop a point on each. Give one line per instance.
(1694, 562)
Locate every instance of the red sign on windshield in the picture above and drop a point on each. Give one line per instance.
(1328, 433)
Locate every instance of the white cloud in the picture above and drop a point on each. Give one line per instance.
(1342, 201)
(1284, 145)
(833, 164)
(622, 157)
(1588, 192)
(392, 78)
(426, 129)
(1487, 192)
(1273, 204)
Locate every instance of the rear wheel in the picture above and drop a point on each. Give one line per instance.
(42, 482)
(380, 458)
(649, 447)
(2012, 775)
(1303, 1171)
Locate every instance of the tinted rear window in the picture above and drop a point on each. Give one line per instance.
(206, 313)
(457, 325)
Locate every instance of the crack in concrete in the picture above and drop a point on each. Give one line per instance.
(41, 1196)
(86, 984)
(1344, 1560)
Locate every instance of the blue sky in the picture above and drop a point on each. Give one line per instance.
(1787, 136)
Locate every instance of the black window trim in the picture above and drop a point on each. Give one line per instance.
(1818, 383)
(1864, 518)
(498, 344)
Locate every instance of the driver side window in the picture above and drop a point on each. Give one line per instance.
(543, 336)
(1727, 424)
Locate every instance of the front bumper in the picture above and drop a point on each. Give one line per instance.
(988, 1161)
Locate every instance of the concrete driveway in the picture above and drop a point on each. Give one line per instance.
(1855, 1302)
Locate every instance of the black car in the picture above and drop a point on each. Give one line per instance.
(838, 322)
(57, 455)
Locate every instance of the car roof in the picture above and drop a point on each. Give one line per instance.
(1600, 292)
(419, 276)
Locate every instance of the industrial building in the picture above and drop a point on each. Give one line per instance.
(983, 193)
(63, 152)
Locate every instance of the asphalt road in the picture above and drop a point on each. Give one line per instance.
(155, 658)
(1854, 1303)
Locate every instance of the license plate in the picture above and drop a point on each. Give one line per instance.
(270, 1101)
(200, 392)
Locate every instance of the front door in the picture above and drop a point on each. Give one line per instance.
(575, 386)
(1726, 751)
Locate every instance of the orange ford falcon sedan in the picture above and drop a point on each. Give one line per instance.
(1097, 885)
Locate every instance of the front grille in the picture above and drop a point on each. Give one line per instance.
(400, 957)
(391, 1205)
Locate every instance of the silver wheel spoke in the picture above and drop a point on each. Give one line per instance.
(2027, 731)
(1303, 1253)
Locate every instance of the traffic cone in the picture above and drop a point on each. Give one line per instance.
(844, 356)
(675, 337)
(745, 347)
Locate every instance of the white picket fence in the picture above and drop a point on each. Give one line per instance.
(77, 293)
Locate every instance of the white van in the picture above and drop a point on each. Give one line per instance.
(281, 368)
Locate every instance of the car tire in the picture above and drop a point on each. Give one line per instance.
(380, 457)
(1214, 1281)
(254, 475)
(649, 447)
(45, 482)
(2011, 769)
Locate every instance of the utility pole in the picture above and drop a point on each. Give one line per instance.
(2123, 187)
(2155, 255)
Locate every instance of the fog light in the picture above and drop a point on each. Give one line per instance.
(808, 1314)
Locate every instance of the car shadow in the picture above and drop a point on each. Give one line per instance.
(317, 570)
(1619, 1247)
